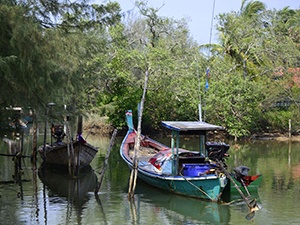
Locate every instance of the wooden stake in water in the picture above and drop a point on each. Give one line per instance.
(34, 149)
(70, 149)
(111, 144)
(290, 128)
(134, 171)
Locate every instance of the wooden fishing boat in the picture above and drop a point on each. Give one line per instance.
(177, 170)
(78, 153)
(245, 182)
(252, 182)
(231, 193)
(58, 153)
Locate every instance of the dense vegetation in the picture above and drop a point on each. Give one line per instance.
(94, 58)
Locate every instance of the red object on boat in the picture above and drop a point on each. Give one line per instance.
(249, 179)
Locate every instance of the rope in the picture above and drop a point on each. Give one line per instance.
(14, 155)
(203, 192)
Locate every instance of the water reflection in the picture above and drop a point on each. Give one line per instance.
(62, 189)
(182, 209)
(60, 184)
(51, 197)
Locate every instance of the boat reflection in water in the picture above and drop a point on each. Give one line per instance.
(230, 194)
(184, 210)
(60, 184)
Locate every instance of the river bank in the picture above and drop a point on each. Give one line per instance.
(276, 137)
(94, 125)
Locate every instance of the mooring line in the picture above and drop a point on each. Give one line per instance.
(203, 192)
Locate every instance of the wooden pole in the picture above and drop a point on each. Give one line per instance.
(79, 125)
(78, 150)
(70, 150)
(49, 105)
(290, 128)
(134, 171)
(17, 159)
(111, 144)
(45, 134)
(34, 149)
(251, 204)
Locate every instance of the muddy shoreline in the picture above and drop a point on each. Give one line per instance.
(104, 129)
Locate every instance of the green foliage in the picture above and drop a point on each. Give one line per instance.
(45, 62)
(96, 63)
(234, 102)
(278, 120)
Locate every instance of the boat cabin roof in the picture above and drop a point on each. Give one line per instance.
(190, 126)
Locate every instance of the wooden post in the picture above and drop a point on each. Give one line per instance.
(34, 147)
(134, 171)
(79, 125)
(17, 159)
(290, 128)
(111, 144)
(70, 150)
(45, 135)
(49, 105)
(79, 132)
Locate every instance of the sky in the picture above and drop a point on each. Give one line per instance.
(199, 12)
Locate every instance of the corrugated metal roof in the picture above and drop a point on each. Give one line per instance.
(190, 126)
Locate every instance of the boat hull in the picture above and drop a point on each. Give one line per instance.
(59, 155)
(252, 186)
(208, 188)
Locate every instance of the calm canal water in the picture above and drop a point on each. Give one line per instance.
(51, 197)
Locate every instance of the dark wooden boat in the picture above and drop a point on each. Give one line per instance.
(76, 154)
(59, 153)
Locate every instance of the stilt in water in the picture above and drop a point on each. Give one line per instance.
(34, 147)
(111, 144)
(134, 171)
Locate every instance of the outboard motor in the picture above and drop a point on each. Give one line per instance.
(57, 131)
(217, 151)
(240, 173)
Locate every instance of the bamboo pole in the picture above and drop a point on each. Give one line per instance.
(111, 144)
(70, 151)
(250, 203)
(34, 142)
(45, 133)
(79, 132)
(134, 171)
(290, 129)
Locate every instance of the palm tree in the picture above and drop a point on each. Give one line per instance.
(237, 31)
(251, 9)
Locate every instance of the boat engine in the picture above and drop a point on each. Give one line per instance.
(57, 131)
(240, 174)
(217, 151)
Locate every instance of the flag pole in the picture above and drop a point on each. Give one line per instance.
(207, 74)
(199, 106)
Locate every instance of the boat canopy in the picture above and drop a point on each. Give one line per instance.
(190, 126)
